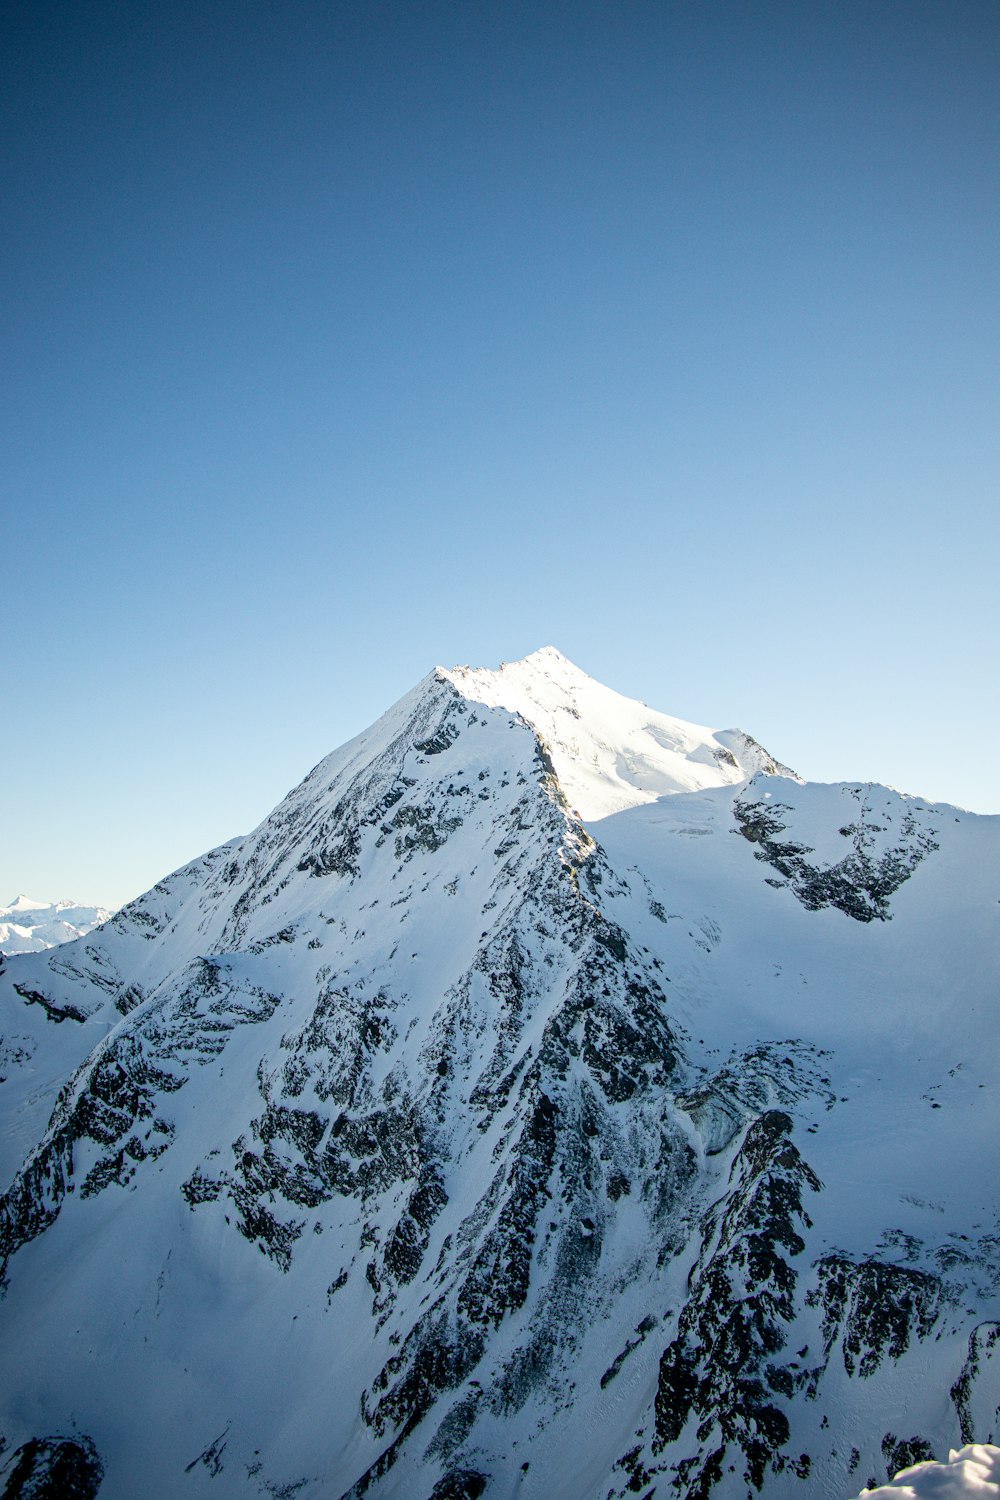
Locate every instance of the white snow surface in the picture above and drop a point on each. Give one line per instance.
(28, 926)
(610, 752)
(971, 1471)
(517, 898)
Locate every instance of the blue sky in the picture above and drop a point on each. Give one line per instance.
(346, 339)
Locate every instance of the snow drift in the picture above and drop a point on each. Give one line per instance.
(972, 1471)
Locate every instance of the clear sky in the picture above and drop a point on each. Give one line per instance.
(343, 339)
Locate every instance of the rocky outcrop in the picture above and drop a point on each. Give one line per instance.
(860, 883)
(54, 1468)
(722, 1384)
(873, 1311)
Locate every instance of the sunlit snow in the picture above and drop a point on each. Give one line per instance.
(972, 1473)
(28, 926)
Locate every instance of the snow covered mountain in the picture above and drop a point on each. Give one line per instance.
(551, 1098)
(28, 926)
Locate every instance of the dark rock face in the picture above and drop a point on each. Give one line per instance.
(559, 1146)
(54, 1011)
(54, 1468)
(979, 1419)
(463, 1484)
(116, 1099)
(902, 1453)
(719, 1373)
(861, 883)
(875, 1310)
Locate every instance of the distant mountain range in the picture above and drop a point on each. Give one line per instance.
(28, 926)
(551, 1098)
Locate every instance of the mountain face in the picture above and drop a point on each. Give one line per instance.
(28, 926)
(551, 1098)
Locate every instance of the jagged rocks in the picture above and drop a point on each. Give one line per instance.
(875, 1310)
(54, 1011)
(900, 1453)
(975, 1392)
(107, 1119)
(54, 1468)
(859, 883)
(462, 1484)
(719, 1371)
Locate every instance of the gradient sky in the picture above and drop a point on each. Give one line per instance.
(342, 339)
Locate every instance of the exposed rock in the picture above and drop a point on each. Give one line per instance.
(861, 883)
(54, 1468)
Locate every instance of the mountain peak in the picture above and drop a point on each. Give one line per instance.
(25, 903)
(610, 752)
(28, 926)
(543, 655)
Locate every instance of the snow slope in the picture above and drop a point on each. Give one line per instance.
(610, 752)
(549, 1098)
